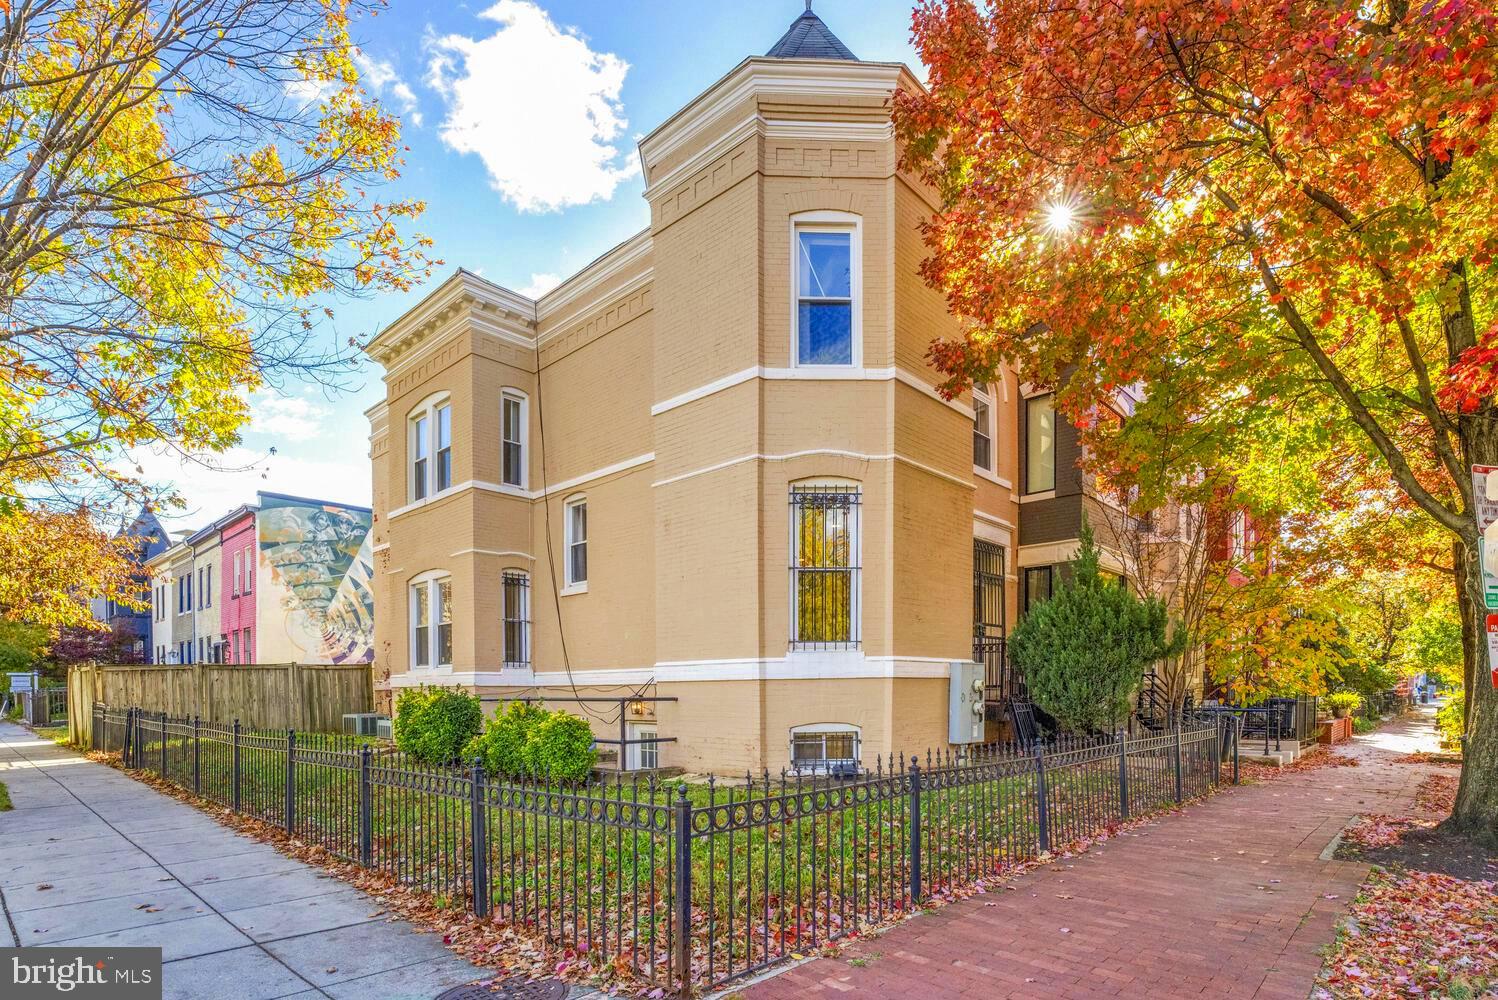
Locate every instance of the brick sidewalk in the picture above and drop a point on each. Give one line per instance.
(1229, 899)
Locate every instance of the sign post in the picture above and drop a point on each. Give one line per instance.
(1485, 502)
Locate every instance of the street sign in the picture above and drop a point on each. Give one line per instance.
(1485, 502)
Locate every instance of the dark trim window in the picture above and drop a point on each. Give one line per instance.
(1038, 585)
(824, 567)
(515, 594)
(1040, 444)
(988, 590)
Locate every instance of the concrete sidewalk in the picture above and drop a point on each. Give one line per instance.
(90, 857)
(1235, 897)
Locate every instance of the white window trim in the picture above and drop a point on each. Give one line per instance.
(570, 586)
(637, 751)
(523, 486)
(429, 580)
(828, 222)
(815, 728)
(426, 408)
(856, 555)
(505, 660)
(989, 471)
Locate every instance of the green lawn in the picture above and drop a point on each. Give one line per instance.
(775, 869)
(5, 805)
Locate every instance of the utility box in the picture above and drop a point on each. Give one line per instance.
(965, 702)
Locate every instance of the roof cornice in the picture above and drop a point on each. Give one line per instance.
(763, 75)
(464, 290)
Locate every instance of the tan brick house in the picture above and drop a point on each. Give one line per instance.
(711, 466)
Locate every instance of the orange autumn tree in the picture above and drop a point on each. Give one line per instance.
(185, 186)
(1277, 216)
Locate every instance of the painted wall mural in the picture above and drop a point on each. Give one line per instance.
(318, 562)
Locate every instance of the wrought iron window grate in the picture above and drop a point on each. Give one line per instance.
(825, 570)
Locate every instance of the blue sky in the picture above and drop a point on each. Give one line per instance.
(522, 119)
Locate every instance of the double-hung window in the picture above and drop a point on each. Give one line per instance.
(982, 429)
(1040, 444)
(421, 434)
(512, 439)
(430, 444)
(444, 447)
(515, 611)
(824, 567)
(826, 247)
(432, 621)
(576, 543)
(238, 571)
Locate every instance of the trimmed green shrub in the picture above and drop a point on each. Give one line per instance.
(1343, 703)
(436, 725)
(561, 748)
(1083, 652)
(502, 746)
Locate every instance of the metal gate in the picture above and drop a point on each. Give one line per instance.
(989, 630)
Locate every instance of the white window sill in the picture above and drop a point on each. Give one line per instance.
(1042, 495)
(512, 490)
(574, 588)
(992, 478)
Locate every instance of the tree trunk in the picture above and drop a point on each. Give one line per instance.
(1476, 812)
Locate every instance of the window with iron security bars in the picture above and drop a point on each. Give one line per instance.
(825, 568)
(517, 625)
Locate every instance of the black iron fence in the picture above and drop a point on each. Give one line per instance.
(687, 885)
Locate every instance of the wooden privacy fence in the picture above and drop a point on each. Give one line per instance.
(309, 697)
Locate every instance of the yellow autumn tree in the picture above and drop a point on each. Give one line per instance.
(184, 188)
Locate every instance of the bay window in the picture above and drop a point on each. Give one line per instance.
(432, 621)
(515, 613)
(826, 286)
(576, 540)
(429, 445)
(982, 429)
(512, 439)
(824, 566)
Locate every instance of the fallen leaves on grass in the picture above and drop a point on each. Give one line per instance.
(1415, 934)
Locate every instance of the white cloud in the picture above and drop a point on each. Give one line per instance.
(380, 79)
(294, 418)
(538, 106)
(540, 285)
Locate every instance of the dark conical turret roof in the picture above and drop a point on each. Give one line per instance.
(809, 38)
